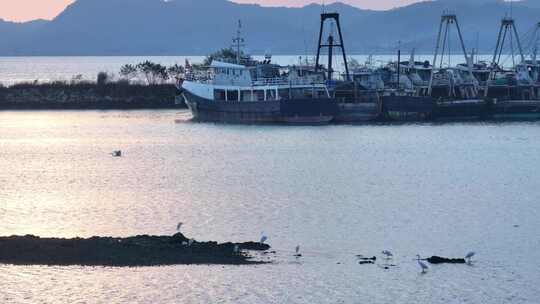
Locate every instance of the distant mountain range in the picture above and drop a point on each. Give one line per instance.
(197, 27)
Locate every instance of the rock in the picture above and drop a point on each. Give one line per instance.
(441, 260)
(141, 250)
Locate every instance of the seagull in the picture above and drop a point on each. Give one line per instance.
(469, 256)
(179, 226)
(388, 254)
(190, 242)
(421, 264)
(263, 238)
(236, 248)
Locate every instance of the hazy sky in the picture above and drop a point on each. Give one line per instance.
(24, 10)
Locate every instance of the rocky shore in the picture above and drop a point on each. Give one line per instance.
(142, 250)
(113, 95)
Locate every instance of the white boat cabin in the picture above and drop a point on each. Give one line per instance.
(233, 82)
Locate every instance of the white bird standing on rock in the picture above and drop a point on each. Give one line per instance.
(263, 238)
(469, 256)
(236, 249)
(190, 242)
(422, 264)
(388, 254)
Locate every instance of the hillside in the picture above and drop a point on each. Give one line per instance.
(196, 27)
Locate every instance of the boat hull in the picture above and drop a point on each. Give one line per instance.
(357, 112)
(296, 111)
(462, 110)
(407, 108)
(516, 109)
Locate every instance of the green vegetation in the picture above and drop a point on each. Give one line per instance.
(225, 55)
(151, 73)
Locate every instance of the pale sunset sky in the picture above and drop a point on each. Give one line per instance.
(24, 10)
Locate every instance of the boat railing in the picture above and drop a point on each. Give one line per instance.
(281, 81)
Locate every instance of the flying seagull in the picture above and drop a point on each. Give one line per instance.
(179, 226)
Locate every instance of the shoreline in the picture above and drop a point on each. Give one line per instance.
(88, 96)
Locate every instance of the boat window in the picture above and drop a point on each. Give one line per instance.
(246, 96)
(232, 95)
(270, 94)
(258, 94)
(283, 93)
(219, 94)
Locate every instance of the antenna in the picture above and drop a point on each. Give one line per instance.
(239, 42)
(511, 9)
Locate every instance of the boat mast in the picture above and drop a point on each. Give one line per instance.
(536, 42)
(239, 42)
(447, 20)
(508, 27)
(331, 44)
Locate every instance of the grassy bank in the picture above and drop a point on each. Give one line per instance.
(86, 95)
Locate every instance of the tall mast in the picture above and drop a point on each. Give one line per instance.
(536, 42)
(447, 20)
(238, 42)
(331, 44)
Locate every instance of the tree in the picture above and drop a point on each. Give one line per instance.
(225, 55)
(176, 71)
(128, 72)
(154, 73)
(102, 78)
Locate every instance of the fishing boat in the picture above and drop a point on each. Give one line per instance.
(406, 86)
(454, 88)
(248, 91)
(514, 93)
(357, 100)
(234, 93)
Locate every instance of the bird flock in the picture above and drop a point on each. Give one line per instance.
(388, 255)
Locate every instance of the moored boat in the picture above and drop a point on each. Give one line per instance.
(235, 93)
(249, 91)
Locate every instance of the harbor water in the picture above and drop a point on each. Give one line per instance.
(337, 191)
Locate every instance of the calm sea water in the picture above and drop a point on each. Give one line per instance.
(338, 191)
(45, 69)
